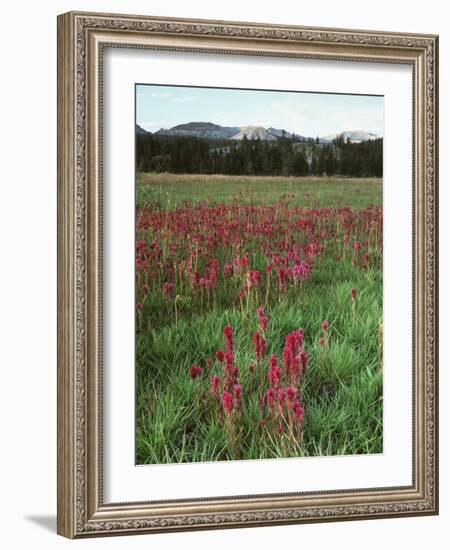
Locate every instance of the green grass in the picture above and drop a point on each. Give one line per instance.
(344, 384)
(173, 189)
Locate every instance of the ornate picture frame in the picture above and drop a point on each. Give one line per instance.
(82, 38)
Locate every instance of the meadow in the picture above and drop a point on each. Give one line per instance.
(258, 317)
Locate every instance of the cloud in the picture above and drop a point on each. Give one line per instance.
(304, 114)
(171, 97)
(276, 114)
(359, 120)
(312, 118)
(181, 99)
(289, 116)
(164, 95)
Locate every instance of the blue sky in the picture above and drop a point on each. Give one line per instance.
(308, 114)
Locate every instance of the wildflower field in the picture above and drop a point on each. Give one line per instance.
(258, 317)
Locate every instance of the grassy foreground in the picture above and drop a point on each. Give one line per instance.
(203, 221)
(173, 189)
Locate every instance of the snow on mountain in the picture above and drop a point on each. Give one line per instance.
(254, 132)
(208, 130)
(355, 136)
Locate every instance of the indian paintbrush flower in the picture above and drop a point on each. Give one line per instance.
(195, 371)
(303, 361)
(227, 401)
(214, 385)
(228, 333)
(168, 288)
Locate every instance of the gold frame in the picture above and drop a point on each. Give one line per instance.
(81, 37)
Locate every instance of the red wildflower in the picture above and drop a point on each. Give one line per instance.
(303, 361)
(231, 371)
(228, 333)
(215, 383)
(227, 401)
(262, 319)
(237, 390)
(262, 346)
(274, 374)
(301, 270)
(227, 270)
(271, 395)
(281, 395)
(259, 345)
(195, 371)
(253, 278)
(299, 411)
(244, 261)
(168, 289)
(291, 359)
(282, 277)
(291, 395)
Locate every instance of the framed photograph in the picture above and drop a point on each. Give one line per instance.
(247, 274)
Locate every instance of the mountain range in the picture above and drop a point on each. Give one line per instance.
(355, 136)
(208, 130)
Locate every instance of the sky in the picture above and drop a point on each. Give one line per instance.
(305, 113)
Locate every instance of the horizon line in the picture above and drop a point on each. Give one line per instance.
(142, 125)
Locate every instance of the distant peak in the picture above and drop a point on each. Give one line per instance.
(212, 131)
(355, 136)
(254, 132)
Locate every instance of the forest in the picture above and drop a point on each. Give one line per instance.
(283, 157)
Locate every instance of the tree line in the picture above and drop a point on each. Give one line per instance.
(286, 156)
